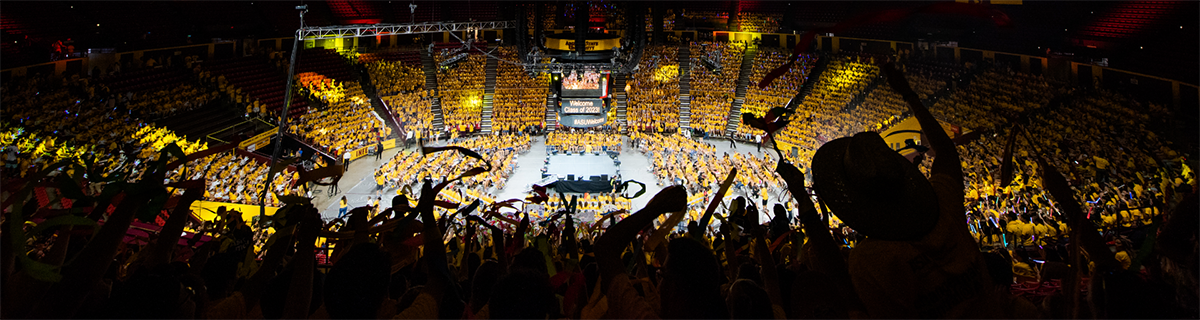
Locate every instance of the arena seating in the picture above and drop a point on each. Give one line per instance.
(255, 78)
(403, 57)
(712, 93)
(819, 118)
(654, 91)
(520, 101)
(992, 97)
(778, 93)
(412, 111)
(391, 77)
(326, 62)
(460, 90)
(148, 79)
(345, 124)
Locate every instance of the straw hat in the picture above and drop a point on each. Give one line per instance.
(873, 189)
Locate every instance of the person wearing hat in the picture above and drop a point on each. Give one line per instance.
(918, 258)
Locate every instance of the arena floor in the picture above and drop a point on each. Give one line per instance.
(358, 184)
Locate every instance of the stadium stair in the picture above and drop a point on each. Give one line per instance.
(489, 91)
(685, 79)
(427, 65)
(735, 111)
(551, 117)
(619, 95)
(376, 102)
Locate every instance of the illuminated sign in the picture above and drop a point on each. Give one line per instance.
(583, 120)
(589, 45)
(582, 106)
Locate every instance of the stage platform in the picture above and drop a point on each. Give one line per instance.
(581, 167)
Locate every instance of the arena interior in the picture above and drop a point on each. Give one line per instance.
(599, 159)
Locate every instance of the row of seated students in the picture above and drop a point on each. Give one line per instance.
(759, 22)
(583, 142)
(679, 160)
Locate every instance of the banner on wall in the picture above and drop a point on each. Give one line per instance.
(262, 139)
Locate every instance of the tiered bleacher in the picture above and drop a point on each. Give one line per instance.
(519, 103)
(344, 124)
(994, 95)
(712, 92)
(654, 91)
(779, 92)
(252, 77)
(460, 90)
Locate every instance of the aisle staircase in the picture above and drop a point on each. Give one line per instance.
(489, 90)
(620, 101)
(685, 79)
(735, 111)
(377, 103)
(430, 69)
(551, 116)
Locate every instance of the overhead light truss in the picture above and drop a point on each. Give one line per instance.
(371, 30)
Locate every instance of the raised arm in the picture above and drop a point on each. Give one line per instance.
(945, 155)
(826, 255)
(612, 243)
(300, 295)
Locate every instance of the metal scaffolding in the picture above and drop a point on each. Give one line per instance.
(371, 30)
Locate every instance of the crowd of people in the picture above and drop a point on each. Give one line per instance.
(1126, 185)
(394, 77)
(994, 95)
(344, 124)
(678, 160)
(520, 100)
(779, 92)
(934, 254)
(234, 178)
(413, 112)
(582, 142)
(460, 90)
(409, 168)
(759, 22)
(653, 92)
(712, 93)
(590, 207)
(37, 136)
(883, 107)
(820, 117)
(587, 80)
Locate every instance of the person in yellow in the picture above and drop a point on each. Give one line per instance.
(342, 207)
(380, 180)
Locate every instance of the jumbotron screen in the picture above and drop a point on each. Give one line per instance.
(585, 84)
